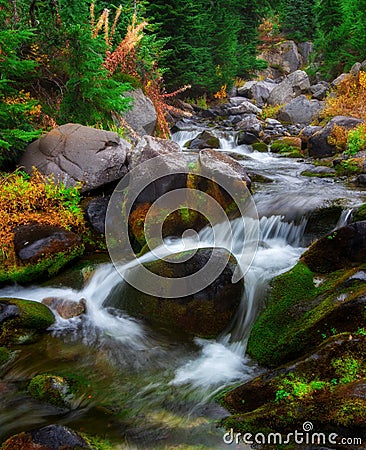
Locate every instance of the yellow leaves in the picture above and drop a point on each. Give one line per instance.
(221, 93)
(362, 79)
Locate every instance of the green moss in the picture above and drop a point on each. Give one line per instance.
(33, 318)
(260, 147)
(360, 213)
(5, 355)
(299, 315)
(45, 268)
(51, 389)
(307, 173)
(97, 443)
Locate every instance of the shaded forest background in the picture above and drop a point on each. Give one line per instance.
(73, 61)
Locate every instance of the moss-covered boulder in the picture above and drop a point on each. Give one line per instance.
(55, 437)
(206, 313)
(341, 248)
(327, 386)
(51, 389)
(303, 310)
(22, 320)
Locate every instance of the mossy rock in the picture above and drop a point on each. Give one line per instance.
(299, 314)
(5, 355)
(26, 321)
(260, 147)
(45, 268)
(206, 313)
(327, 386)
(51, 389)
(339, 249)
(360, 213)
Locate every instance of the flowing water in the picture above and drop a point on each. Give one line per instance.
(146, 388)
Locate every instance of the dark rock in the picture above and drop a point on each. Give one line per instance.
(66, 308)
(361, 179)
(8, 311)
(318, 144)
(307, 132)
(356, 278)
(32, 242)
(51, 437)
(96, 210)
(338, 249)
(319, 171)
(247, 138)
(206, 313)
(75, 154)
(25, 319)
(142, 116)
(319, 90)
(204, 140)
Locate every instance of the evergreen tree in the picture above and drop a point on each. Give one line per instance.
(297, 19)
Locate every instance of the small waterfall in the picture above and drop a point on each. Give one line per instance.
(344, 219)
(183, 136)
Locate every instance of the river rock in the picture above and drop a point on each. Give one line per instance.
(250, 124)
(75, 154)
(339, 249)
(258, 91)
(171, 160)
(301, 313)
(245, 107)
(317, 385)
(35, 241)
(51, 437)
(96, 210)
(23, 320)
(204, 140)
(66, 308)
(292, 86)
(206, 313)
(318, 144)
(300, 110)
(142, 117)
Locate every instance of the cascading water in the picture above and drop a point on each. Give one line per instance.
(164, 386)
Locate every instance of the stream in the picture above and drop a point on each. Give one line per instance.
(149, 389)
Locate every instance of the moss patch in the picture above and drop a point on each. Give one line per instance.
(300, 315)
(51, 389)
(5, 355)
(33, 318)
(260, 147)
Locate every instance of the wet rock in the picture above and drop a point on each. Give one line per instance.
(361, 179)
(339, 249)
(247, 138)
(250, 124)
(318, 144)
(51, 389)
(319, 386)
(96, 210)
(354, 279)
(142, 116)
(35, 241)
(219, 166)
(292, 86)
(25, 321)
(75, 154)
(8, 311)
(66, 308)
(300, 110)
(206, 313)
(319, 171)
(171, 160)
(5, 356)
(300, 314)
(204, 140)
(51, 437)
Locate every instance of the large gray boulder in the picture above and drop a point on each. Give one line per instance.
(170, 160)
(318, 144)
(75, 153)
(292, 86)
(142, 116)
(300, 110)
(284, 57)
(245, 107)
(250, 123)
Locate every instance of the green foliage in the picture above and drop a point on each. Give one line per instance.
(348, 369)
(297, 19)
(356, 140)
(51, 389)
